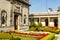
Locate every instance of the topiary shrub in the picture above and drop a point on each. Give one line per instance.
(33, 25)
(40, 25)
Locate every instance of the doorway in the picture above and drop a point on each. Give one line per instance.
(56, 22)
(16, 22)
(46, 22)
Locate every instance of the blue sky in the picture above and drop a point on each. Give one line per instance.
(43, 5)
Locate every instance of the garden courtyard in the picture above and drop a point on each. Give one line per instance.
(14, 17)
(35, 32)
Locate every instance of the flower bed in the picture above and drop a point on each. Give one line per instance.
(12, 35)
(38, 36)
(50, 29)
(49, 37)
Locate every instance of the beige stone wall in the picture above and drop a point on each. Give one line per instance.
(25, 12)
(5, 5)
(9, 8)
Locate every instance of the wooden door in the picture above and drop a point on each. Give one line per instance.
(16, 21)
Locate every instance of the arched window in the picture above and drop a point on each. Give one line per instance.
(3, 17)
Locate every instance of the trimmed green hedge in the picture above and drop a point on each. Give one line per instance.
(13, 36)
(49, 37)
(49, 30)
(5, 35)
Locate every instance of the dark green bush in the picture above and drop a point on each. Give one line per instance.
(40, 25)
(17, 38)
(33, 25)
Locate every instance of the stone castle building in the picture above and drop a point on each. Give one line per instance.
(14, 14)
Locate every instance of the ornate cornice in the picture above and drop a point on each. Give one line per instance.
(24, 2)
(21, 1)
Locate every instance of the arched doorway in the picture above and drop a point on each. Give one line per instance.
(56, 22)
(46, 22)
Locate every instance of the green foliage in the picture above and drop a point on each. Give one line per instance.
(17, 38)
(33, 25)
(55, 38)
(49, 37)
(50, 29)
(32, 29)
(5, 35)
(40, 25)
(55, 31)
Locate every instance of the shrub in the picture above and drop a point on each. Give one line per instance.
(33, 25)
(40, 25)
(17, 38)
(32, 29)
(5, 35)
(50, 29)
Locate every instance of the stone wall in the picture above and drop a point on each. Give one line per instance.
(5, 5)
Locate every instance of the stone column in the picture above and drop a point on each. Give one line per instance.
(48, 20)
(59, 20)
(19, 22)
(0, 18)
(22, 19)
(13, 15)
(39, 20)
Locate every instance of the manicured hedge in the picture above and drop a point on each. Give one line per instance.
(49, 30)
(5, 36)
(49, 37)
(13, 36)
